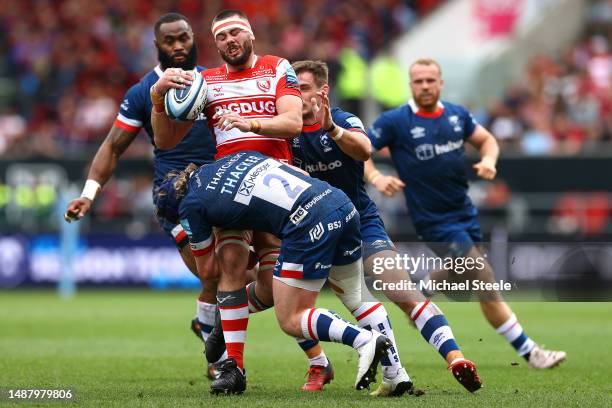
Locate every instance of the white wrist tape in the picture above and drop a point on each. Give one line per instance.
(91, 189)
(337, 133)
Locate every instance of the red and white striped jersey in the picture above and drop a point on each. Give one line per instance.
(252, 93)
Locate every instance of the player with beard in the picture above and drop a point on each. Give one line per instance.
(253, 104)
(177, 52)
(426, 138)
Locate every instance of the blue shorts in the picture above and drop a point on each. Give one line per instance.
(452, 239)
(310, 251)
(375, 238)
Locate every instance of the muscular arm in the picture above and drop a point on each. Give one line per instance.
(488, 148)
(102, 168)
(167, 133)
(355, 144)
(105, 161)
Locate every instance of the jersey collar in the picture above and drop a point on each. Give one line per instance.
(311, 128)
(431, 115)
(158, 70)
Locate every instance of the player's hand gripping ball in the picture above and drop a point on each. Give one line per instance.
(184, 105)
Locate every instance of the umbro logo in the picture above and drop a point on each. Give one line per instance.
(417, 132)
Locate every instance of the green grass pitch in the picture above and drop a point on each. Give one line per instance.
(134, 349)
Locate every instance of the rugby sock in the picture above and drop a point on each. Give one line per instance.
(306, 344)
(434, 328)
(320, 360)
(255, 304)
(325, 325)
(373, 316)
(234, 310)
(206, 318)
(514, 333)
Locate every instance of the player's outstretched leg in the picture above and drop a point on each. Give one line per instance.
(500, 316)
(297, 317)
(434, 328)
(371, 316)
(536, 356)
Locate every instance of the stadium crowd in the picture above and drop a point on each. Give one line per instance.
(68, 64)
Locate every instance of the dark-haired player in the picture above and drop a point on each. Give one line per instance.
(177, 52)
(332, 147)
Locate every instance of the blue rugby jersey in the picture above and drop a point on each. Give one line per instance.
(428, 153)
(248, 190)
(316, 152)
(196, 147)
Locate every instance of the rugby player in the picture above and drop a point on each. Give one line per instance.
(426, 139)
(332, 147)
(253, 103)
(317, 223)
(177, 52)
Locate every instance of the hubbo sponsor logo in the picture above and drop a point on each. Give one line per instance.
(323, 167)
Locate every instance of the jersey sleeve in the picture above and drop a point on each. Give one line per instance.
(286, 80)
(469, 123)
(348, 121)
(132, 111)
(381, 133)
(193, 221)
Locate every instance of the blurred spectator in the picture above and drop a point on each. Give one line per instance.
(564, 104)
(12, 128)
(71, 61)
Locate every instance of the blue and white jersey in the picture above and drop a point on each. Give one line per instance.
(316, 152)
(249, 190)
(196, 147)
(428, 153)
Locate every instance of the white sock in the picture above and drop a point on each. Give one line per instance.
(206, 317)
(320, 360)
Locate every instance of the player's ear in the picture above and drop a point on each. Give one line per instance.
(325, 88)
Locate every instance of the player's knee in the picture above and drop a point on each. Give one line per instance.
(233, 257)
(346, 282)
(291, 324)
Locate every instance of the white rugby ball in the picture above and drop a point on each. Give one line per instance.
(184, 105)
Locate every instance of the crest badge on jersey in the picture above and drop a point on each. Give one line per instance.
(324, 139)
(417, 132)
(264, 85)
(424, 151)
(217, 91)
(455, 122)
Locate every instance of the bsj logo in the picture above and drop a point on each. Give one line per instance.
(264, 85)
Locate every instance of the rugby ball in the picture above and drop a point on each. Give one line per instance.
(184, 105)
